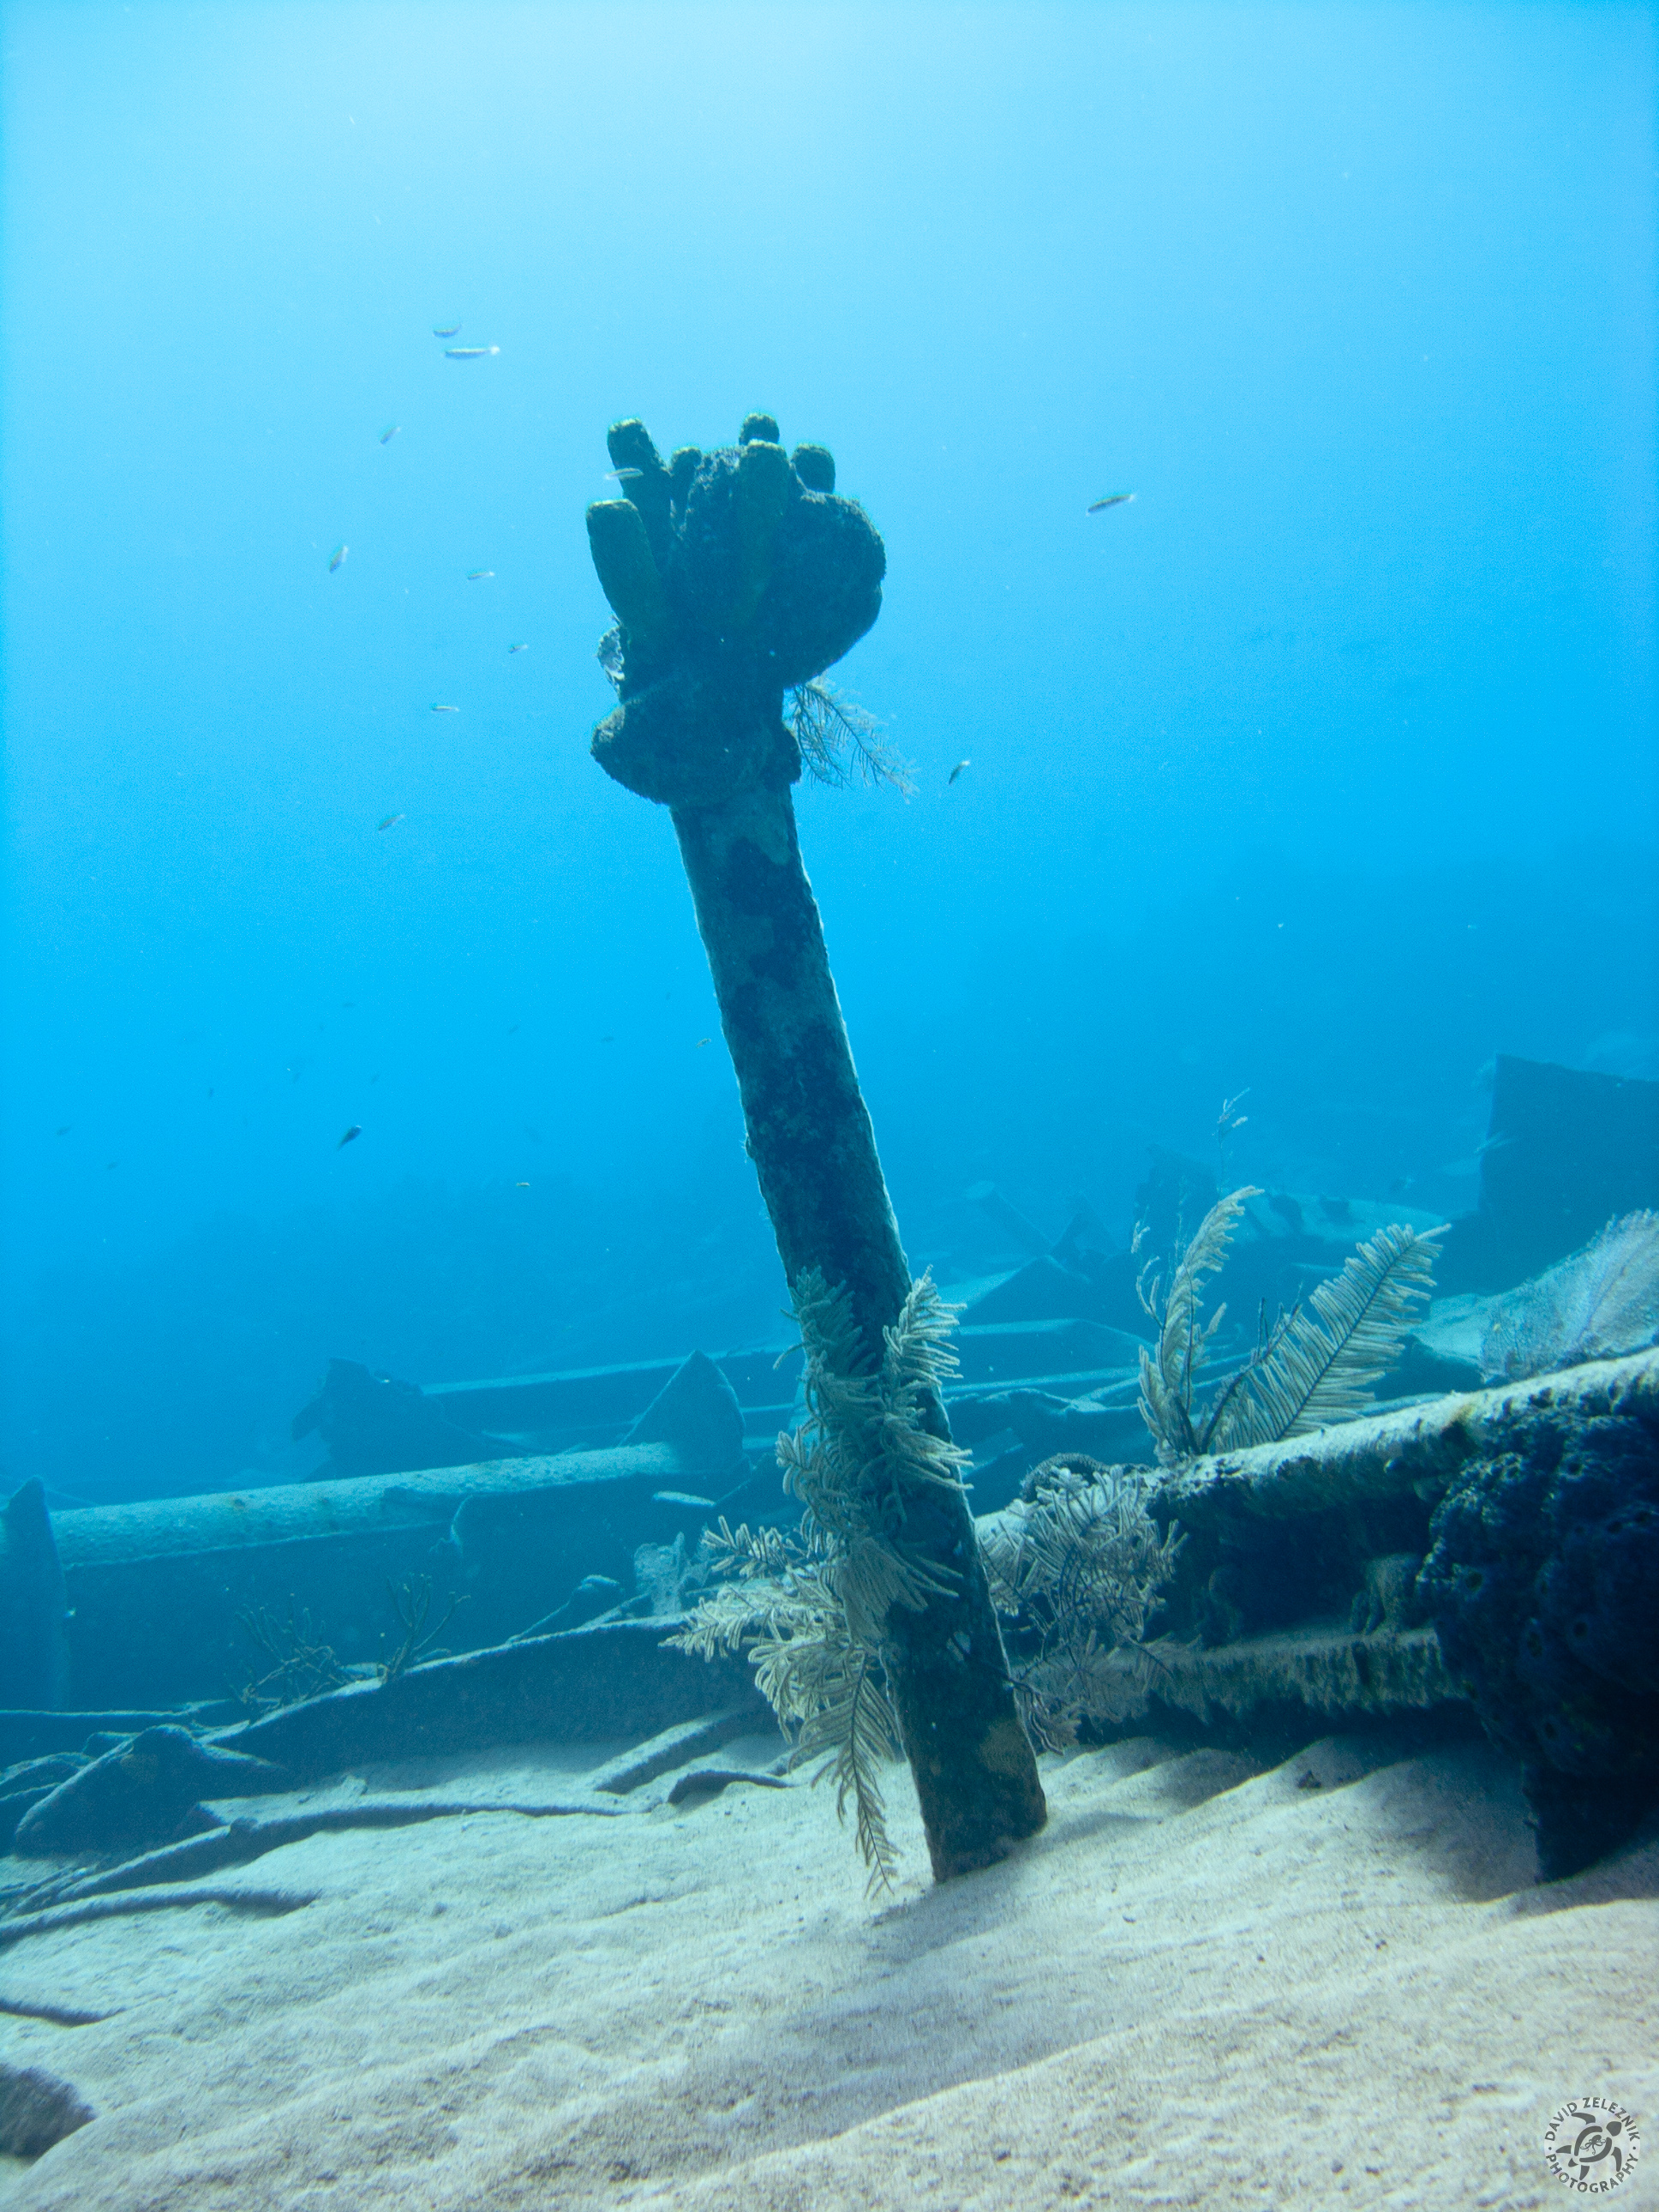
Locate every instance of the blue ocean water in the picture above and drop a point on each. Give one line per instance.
(1323, 771)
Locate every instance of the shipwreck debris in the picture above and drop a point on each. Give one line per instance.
(735, 576)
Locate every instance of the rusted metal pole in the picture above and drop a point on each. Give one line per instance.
(736, 575)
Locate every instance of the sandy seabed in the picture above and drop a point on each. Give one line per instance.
(1329, 1983)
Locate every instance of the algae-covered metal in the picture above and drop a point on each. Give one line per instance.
(735, 575)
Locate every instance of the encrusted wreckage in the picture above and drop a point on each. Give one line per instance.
(736, 577)
(1492, 1554)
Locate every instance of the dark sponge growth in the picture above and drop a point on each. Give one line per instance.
(1543, 1585)
(735, 575)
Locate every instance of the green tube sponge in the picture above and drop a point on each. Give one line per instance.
(681, 467)
(765, 482)
(752, 579)
(645, 482)
(816, 467)
(627, 572)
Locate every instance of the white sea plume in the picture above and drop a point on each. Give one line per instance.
(811, 1611)
(1080, 1562)
(841, 742)
(1600, 1303)
(1316, 1365)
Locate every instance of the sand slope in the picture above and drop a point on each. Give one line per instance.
(1332, 1983)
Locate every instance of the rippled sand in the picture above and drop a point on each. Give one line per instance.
(1333, 1983)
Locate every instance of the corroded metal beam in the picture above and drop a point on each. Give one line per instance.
(1418, 1450)
(736, 575)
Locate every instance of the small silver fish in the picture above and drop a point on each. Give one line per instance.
(391, 822)
(336, 558)
(681, 1498)
(389, 433)
(440, 706)
(356, 1130)
(469, 353)
(624, 475)
(479, 575)
(958, 769)
(1112, 499)
(445, 331)
(518, 648)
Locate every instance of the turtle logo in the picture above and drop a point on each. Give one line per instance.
(1591, 2146)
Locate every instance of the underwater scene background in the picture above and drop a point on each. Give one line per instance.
(453, 460)
(1321, 772)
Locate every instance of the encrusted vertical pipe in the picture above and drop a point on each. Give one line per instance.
(735, 575)
(35, 1655)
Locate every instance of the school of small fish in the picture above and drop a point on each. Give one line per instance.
(622, 476)
(336, 559)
